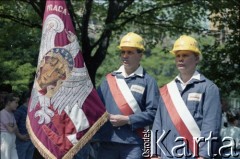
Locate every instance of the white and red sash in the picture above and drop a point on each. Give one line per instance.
(123, 97)
(180, 115)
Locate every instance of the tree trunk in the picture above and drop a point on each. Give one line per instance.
(92, 70)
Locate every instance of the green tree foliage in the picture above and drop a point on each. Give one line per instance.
(221, 59)
(100, 23)
(19, 47)
(160, 65)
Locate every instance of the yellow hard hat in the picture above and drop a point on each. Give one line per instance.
(132, 40)
(185, 43)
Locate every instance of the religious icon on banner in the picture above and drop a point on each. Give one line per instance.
(64, 109)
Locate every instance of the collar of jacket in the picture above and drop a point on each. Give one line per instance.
(138, 72)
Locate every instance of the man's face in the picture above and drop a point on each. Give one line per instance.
(186, 61)
(51, 72)
(130, 59)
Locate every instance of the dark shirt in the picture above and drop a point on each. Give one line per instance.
(20, 116)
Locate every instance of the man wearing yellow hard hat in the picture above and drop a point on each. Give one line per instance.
(131, 98)
(189, 111)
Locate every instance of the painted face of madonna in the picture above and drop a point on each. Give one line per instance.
(52, 71)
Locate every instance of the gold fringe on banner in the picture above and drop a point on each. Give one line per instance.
(69, 155)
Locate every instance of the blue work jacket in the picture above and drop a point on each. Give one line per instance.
(206, 113)
(147, 101)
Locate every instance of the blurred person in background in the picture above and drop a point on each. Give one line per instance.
(8, 127)
(231, 136)
(4, 90)
(225, 108)
(24, 145)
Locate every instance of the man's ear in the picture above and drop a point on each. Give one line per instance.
(197, 58)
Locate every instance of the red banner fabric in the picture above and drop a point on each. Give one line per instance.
(64, 110)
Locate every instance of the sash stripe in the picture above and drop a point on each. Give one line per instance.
(177, 121)
(121, 101)
(182, 109)
(118, 97)
(128, 96)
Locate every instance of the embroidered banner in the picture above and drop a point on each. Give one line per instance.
(64, 110)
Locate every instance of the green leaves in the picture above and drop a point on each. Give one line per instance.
(160, 65)
(100, 25)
